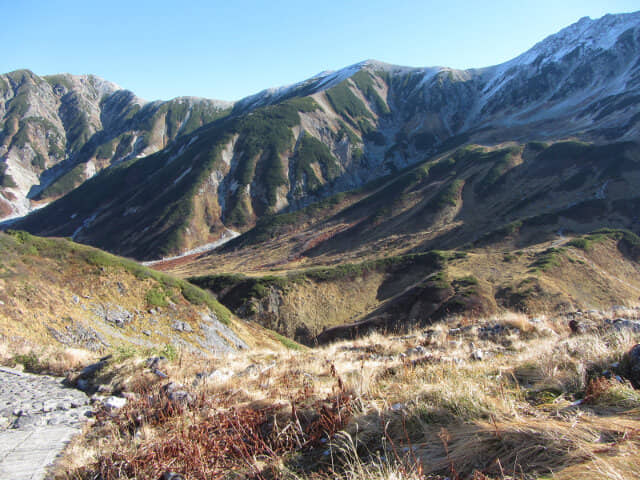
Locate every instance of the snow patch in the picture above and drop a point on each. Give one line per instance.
(227, 235)
(84, 225)
(182, 175)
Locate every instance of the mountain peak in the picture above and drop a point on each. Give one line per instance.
(599, 34)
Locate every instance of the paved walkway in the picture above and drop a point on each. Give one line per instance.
(38, 417)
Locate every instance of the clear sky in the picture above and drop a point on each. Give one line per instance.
(229, 49)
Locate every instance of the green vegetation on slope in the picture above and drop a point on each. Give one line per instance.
(312, 151)
(6, 180)
(264, 135)
(345, 102)
(65, 183)
(365, 83)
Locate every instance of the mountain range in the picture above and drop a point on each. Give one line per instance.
(219, 166)
(401, 194)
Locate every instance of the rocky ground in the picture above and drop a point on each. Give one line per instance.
(38, 417)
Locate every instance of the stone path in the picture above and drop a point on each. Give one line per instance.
(38, 417)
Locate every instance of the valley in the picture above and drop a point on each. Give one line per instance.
(379, 272)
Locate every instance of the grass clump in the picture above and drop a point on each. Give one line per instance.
(156, 298)
(288, 343)
(448, 196)
(30, 361)
(548, 259)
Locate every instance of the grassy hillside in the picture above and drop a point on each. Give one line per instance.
(53, 291)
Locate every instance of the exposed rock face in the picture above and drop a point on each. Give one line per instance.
(285, 148)
(57, 131)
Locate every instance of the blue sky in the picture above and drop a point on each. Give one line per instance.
(229, 49)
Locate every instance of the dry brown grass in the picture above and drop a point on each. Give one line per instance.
(403, 413)
(51, 359)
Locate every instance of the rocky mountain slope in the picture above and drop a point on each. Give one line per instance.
(285, 148)
(57, 131)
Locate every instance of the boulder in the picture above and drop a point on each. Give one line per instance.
(630, 365)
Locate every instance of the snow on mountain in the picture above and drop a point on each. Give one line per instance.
(588, 34)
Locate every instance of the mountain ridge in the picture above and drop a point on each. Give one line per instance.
(285, 148)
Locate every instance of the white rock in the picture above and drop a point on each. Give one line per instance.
(114, 403)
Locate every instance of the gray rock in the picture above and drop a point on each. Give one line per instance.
(487, 332)
(180, 326)
(631, 365)
(176, 393)
(83, 384)
(171, 476)
(624, 324)
(160, 373)
(154, 362)
(26, 421)
(90, 370)
(181, 397)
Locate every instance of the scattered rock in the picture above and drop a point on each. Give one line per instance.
(171, 476)
(115, 314)
(181, 397)
(180, 326)
(75, 299)
(147, 332)
(155, 362)
(159, 373)
(477, 355)
(221, 375)
(624, 324)
(114, 403)
(487, 332)
(419, 350)
(177, 394)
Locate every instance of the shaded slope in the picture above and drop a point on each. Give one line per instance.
(395, 294)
